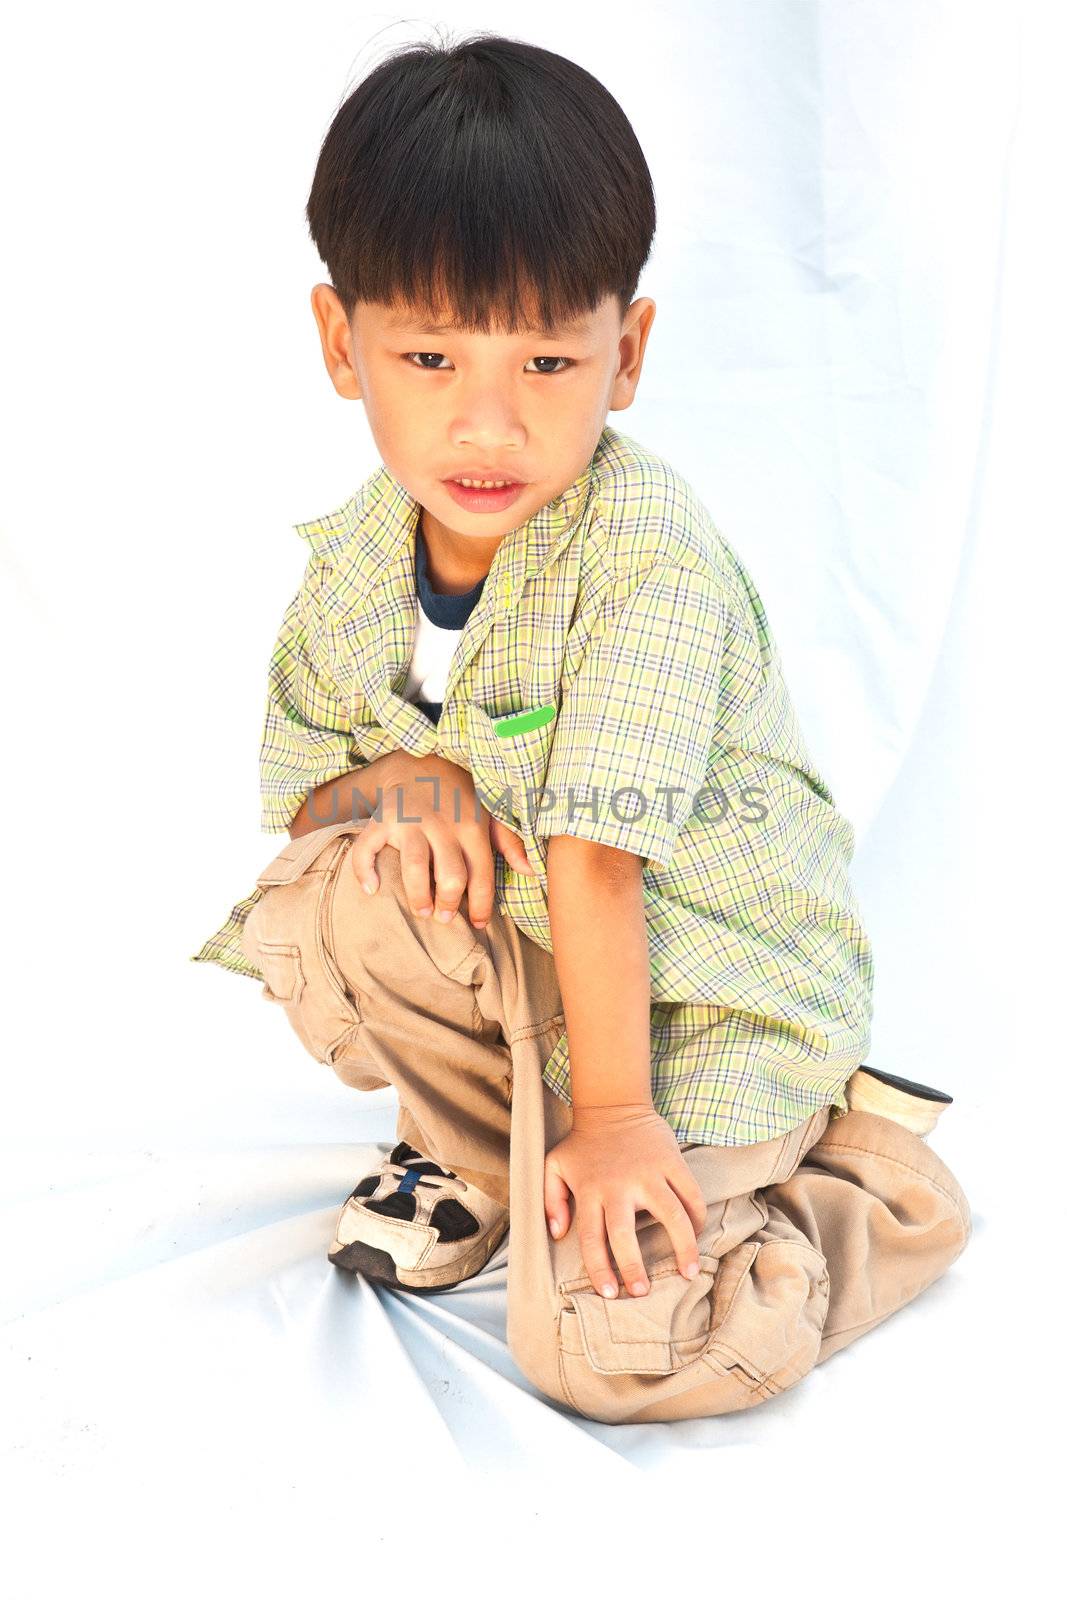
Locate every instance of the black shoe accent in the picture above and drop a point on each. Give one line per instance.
(451, 1218)
(923, 1090)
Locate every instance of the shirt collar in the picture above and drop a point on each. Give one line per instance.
(390, 514)
(373, 595)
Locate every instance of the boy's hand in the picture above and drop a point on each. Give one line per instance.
(461, 853)
(616, 1161)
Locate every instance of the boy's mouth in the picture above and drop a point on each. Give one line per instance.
(484, 496)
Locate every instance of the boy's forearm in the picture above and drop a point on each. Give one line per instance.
(600, 947)
(352, 794)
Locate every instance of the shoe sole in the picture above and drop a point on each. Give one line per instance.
(923, 1091)
(380, 1267)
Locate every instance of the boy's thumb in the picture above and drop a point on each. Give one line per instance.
(556, 1210)
(512, 848)
(516, 854)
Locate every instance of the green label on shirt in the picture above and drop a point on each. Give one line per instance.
(507, 726)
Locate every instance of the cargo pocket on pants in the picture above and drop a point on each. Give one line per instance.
(654, 1333)
(770, 1304)
(287, 934)
(283, 976)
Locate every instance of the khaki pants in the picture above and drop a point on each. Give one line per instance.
(811, 1238)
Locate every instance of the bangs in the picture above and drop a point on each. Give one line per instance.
(446, 286)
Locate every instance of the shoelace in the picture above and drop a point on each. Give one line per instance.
(408, 1170)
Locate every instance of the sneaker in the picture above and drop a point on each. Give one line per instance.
(424, 1229)
(913, 1105)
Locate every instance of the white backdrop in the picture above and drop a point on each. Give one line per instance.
(857, 361)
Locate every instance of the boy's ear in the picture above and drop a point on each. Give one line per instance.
(632, 341)
(335, 335)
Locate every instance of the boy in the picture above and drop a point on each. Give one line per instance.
(611, 957)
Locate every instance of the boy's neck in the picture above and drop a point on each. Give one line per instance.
(454, 567)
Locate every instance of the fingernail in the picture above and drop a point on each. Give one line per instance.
(609, 1290)
(639, 1288)
(554, 1228)
(369, 885)
(444, 916)
(424, 911)
(692, 1269)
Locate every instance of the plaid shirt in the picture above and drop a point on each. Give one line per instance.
(667, 731)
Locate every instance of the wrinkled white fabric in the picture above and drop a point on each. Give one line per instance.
(188, 1385)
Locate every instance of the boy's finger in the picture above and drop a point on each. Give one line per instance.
(692, 1198)
(595, 1254)
(626, 1250)
(481, 882)
(556, 1209)
(679, 1225)
(415, 870)
(450, 876)
(511, 847)
(362, 855)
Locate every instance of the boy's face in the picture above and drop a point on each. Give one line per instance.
(443, 404)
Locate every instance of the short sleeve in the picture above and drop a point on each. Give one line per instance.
(635, 728)
(307, 735)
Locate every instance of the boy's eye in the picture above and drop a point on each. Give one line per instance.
(415, 359)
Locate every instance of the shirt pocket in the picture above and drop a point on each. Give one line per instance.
(509, 767)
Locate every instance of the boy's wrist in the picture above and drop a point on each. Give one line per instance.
(586, 1116)
(351, 796)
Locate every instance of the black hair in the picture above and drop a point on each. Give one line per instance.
(490, 180)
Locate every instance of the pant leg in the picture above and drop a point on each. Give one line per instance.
(385, 997)
(809, 1240)
(882, 1209)
(677, 1351)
